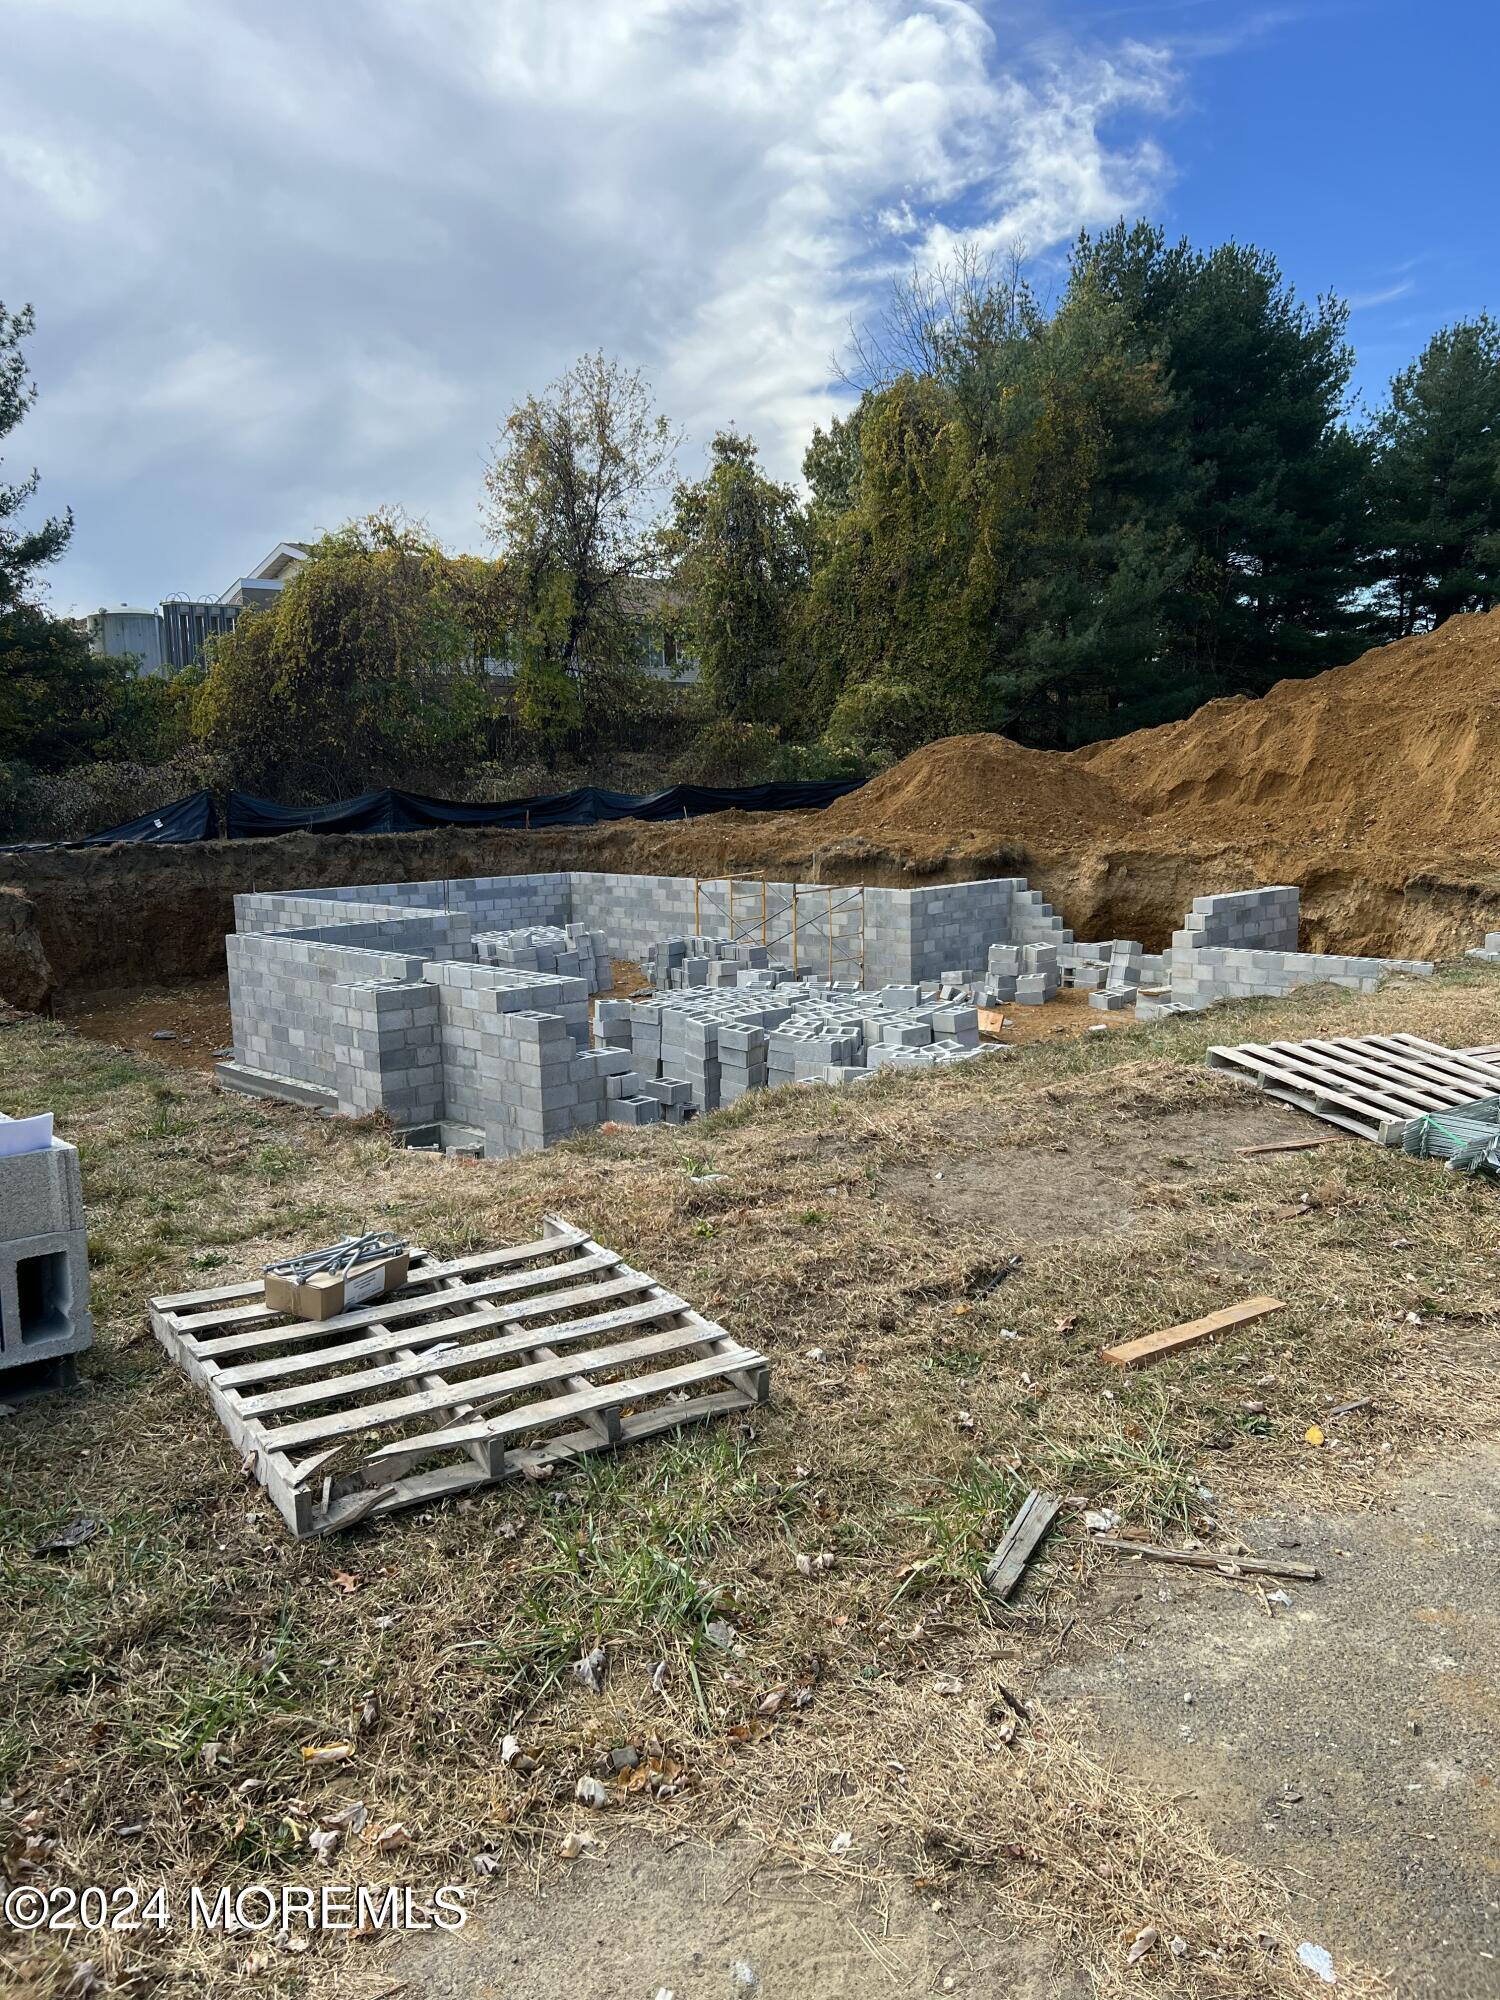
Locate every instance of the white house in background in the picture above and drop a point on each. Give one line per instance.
(259, 586)
(173, 635)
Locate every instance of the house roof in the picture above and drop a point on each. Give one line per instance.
(285, 556)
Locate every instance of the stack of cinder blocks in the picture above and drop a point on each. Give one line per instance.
(44, 1271)
(388, 1051)
(1123, 978)
(1489, 951)
(571, 951)
(512, 1045)
(1028, 974)
(709, 961)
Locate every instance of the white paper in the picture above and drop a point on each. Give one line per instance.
(25, 1135)
(368, 1285)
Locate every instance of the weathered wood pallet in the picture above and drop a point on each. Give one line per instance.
(493, 1366)
(1374, 1085)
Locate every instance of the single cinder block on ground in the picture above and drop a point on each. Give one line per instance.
(44, 1306)
(44, 1271)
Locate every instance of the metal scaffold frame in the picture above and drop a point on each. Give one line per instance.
(756, 911)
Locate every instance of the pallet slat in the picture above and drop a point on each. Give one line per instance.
(353, 1450)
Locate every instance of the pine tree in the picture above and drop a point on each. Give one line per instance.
(1273, 505)
(1437, 481)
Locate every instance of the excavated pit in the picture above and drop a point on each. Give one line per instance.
(1372, 788)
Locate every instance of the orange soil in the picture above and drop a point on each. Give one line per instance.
(1399, 751)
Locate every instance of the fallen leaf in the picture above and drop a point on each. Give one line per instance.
(1143, 1942)
(326, 1753)
(1313, 1434)
(369, 1713)
(344, 1580)
(573, 1844)
(79, 1530)
(389, 1839)
(325, 1842)
(589, 1671)
(589, 1792)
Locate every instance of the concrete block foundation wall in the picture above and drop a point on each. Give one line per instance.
(1244, 947)
(414, 999)
(281, 1002)
(387, 998)
(1246, 919)
(1263, 975)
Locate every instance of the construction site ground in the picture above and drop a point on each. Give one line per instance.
(947, 1797)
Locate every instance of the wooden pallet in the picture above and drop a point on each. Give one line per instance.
(492, 1366)
(1370, 1084)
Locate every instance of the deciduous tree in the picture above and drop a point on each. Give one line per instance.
(572, 491)
(737, 550)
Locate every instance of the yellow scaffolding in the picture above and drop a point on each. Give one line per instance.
(776, 914)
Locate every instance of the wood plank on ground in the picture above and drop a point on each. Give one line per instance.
(1291, 1145)
(1171, 1340)
(1033, 1518)
(1208, 1559)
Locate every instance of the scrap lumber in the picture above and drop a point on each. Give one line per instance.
(1153, 1346)
(1290, 1145)
(1207, 1559)
(1034, 1517)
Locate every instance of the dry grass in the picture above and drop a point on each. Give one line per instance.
(165, 1675)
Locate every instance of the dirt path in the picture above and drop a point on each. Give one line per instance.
(1345, 1742)
(182, 1026)
(722, 1923)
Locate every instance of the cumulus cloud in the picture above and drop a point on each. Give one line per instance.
(292, 262)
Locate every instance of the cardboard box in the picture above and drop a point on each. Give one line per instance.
(330, 1293)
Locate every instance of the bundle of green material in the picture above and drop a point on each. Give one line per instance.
(1466, 1139)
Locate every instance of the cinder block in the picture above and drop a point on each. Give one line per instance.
(40, 1193)
(44, 1298)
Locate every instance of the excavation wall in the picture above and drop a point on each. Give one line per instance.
(90, 920)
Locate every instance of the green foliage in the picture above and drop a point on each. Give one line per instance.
(1271, 507)
(1001, 566)
(737, 544)
(23, 551)
(370, 665)
(571, 491)
(57, 702)
(1437, 481)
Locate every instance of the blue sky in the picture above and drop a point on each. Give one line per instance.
(1357, 139)
(291, 263)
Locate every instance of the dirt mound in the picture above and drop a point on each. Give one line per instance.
(1400, 750)
(982, 786)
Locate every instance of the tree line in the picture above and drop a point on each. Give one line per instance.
(1057, 517)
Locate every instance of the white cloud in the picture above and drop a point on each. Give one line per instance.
(1385, 295)
(289, 262)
